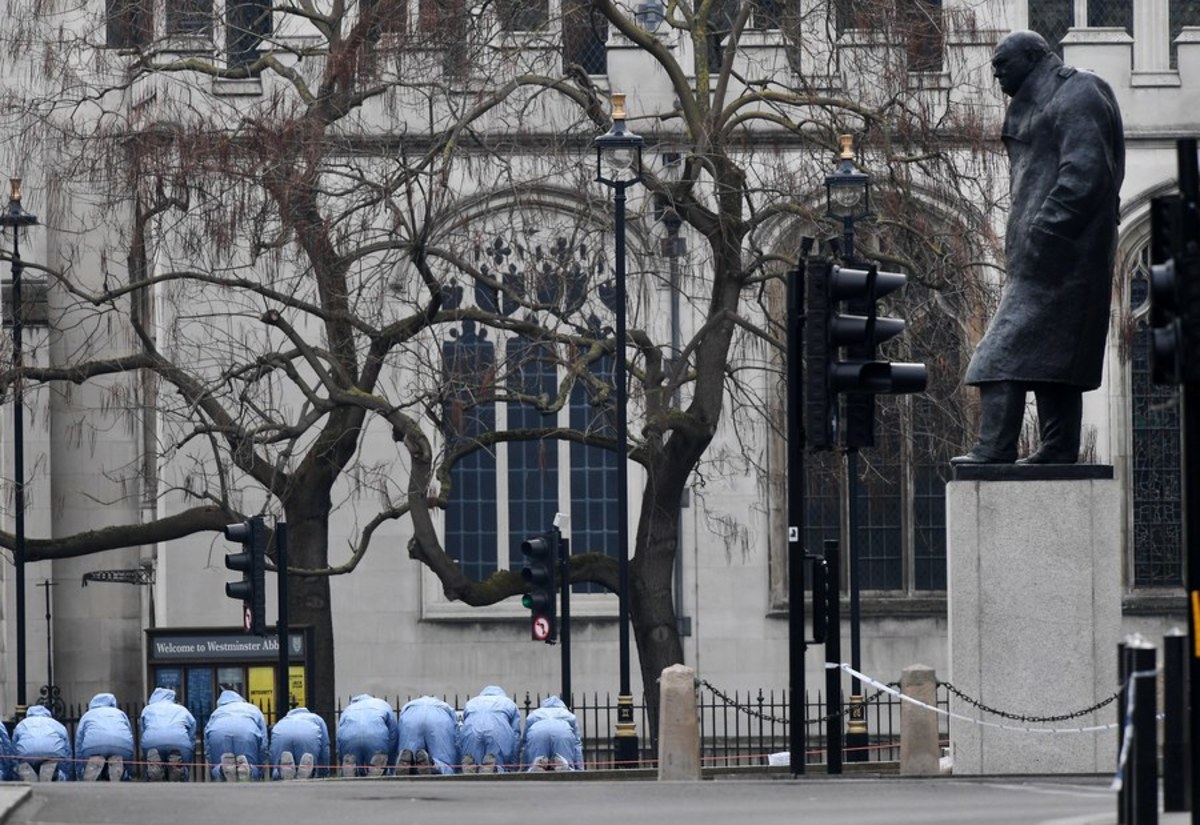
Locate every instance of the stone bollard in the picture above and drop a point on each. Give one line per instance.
(920, 750)
(678, 725)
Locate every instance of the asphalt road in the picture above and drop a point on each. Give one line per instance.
(488, 801)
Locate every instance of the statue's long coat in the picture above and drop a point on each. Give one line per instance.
(1066, 153)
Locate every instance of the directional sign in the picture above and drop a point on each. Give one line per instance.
(541, 628)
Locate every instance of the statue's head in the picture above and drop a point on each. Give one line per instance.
(1015, 57)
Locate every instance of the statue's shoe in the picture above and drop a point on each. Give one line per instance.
(1049, 457)
(974, 457)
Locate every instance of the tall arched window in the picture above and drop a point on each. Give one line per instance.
(1155, 475)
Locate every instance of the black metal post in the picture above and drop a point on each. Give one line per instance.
(1144, 753)
(1176, 789)
(833, 658)
(797, 644)
(47, 584)
(283, 675)
(1191, 533)
(625, 744)
(857, 736)
(1122, 707)
(848, 238)
(18, 322)
(564, 621)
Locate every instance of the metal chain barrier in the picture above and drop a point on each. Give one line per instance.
(766, 717)
(1021, 717)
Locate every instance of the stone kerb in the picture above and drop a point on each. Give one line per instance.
(1034, 616)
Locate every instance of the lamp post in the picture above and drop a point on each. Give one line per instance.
(16, 217)
(848, 197)
(619, 153)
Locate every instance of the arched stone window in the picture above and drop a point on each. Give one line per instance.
(1155, 474)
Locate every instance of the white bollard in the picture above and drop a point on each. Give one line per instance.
(678, 725)
(920, 750)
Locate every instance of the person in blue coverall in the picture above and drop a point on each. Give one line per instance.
(489, 737)
(427, 737)
(104, 741)
(235, 739)
(299, 745)
(552, 739)
(6, 752)
(168, 732)
(366, 736)
(41, 747)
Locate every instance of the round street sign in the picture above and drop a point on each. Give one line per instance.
(541, 628)
(246, 623)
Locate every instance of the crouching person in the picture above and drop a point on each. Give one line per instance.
(168, 737)
(428, 740)
(552, 741)
(299, 746)
(366, 736)
(104, 741)
(235, 739)
(489, 737)
(41, 747)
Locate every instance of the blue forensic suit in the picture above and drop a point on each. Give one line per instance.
(104, 731)
(552, 730)
(367, 726)
(6, 752)
(427, 723)
(491, 724)
(300, 732)
(166, 727)
(38, 738)
(236, 727)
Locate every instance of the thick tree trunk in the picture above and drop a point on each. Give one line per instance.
(308, 596)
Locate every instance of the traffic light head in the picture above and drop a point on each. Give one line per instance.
(858, 331)
(541, 586)
(251, 563)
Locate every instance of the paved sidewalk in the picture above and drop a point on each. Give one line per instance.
(12, 795)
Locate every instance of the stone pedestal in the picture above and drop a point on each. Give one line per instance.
(678, 725)
(1034, 579)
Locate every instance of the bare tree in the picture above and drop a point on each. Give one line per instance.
(291, 258)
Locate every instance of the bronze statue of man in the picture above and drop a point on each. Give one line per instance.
(1066, 152)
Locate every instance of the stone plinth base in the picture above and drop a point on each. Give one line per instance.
(1034, 579)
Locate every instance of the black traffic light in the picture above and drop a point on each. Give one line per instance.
(859, 373)
(541, 595)
(251, 563)
(1175, 276)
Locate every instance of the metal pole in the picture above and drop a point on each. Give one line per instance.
(1191, 534)
(47, 584)
(19, 467)
(833, 658)
(564, 624)
(797, 640)
(282, 676)
(1144, 755)
(625, 746)
(1176, 791)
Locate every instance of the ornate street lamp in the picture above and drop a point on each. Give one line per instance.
(619, 166)
(16, 217)
(847, 195)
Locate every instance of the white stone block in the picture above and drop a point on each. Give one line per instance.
(1034, 571)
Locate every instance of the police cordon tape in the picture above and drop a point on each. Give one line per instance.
(961, 717)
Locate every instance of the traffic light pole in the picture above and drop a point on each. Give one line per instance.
(797, 640)
(283, 676)
(564, 625)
